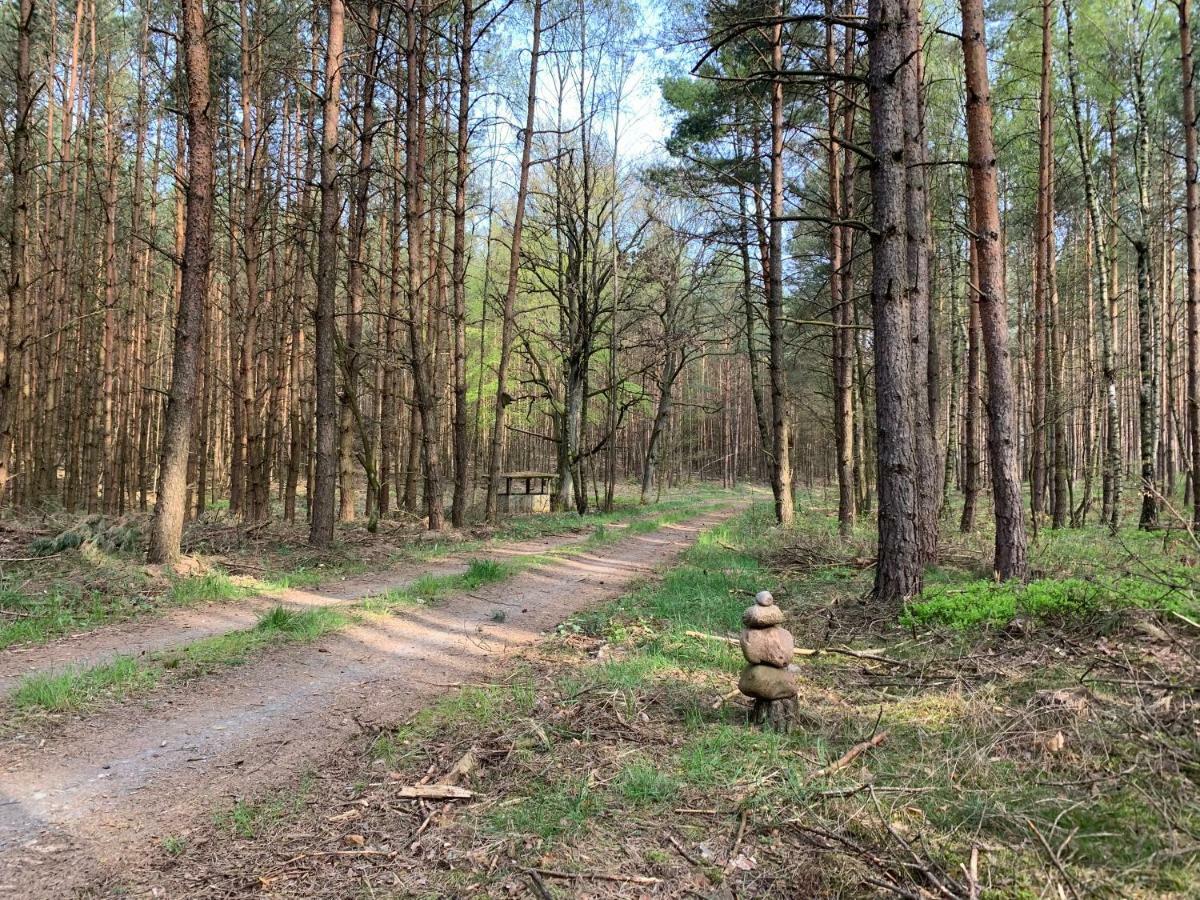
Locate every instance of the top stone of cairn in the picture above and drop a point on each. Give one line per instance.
(764, 598)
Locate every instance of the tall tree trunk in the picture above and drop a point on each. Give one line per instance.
(1037, 456)
(898, 569)
(1193, 253)
(458, 507)
(1112, 455)
(321, 527)
(1011, 551)
(421, 361)
(169, 507)
(514, 267)
(13, 345)
(839, 302)
(1147, 331)
(351, 418)
(781, 462)
(919, 297)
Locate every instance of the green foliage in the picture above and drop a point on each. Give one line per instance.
(95, 531)
(76, 689)
(643, 783)
(483, 571)
(549, 811)
(986, 603)
(211, 587)
(248, 819)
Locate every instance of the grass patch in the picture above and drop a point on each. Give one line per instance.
(248, 819)
(549, 812)
(645, 784)
(212, 587)
(76, 689)
(982, 603)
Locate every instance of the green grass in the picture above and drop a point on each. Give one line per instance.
(966, 605)
(77, 689)
(248, 819)
(643, 783)
(212, 587)
(548, 811)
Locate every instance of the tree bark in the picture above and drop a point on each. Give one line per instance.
(462, 146)
(781, 462)
(898, 569)
(321, 527)
(1011, 551)
(514, 266)
(919, 298)
(1193, 252)
(169, 507)
(13, 346)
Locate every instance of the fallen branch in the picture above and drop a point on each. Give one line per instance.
(597, 876)
(849, 756)
(435, 792)
(872, 655)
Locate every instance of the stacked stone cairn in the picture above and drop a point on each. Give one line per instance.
(769, 676)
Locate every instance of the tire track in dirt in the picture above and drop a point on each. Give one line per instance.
(177, 627)
(106, 789)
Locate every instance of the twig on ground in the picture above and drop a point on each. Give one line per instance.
(683, 851)
(597, 876)
(1055, 860)
(849, 756)
(539, 886)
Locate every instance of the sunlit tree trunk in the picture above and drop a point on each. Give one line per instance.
(169, 509)
(323, 512)
(1011, 551)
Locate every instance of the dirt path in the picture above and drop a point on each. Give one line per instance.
(76, 808)
(177, 627)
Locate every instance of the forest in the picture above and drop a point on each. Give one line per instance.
(606, 448)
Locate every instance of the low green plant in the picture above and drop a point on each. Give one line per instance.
(644, 784)
(549, 811)
(78, 688)
(984, 603)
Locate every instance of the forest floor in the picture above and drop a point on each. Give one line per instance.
(1042, 741)
(108, 757)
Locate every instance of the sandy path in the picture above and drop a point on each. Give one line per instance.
(177, 627)
(76, 808)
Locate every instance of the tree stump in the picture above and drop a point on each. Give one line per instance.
(778, 715)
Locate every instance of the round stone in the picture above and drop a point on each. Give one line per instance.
(767, 683)
(768, 646)
(764, 598)
(762, 616)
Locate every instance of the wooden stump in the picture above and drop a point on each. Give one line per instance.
(778, 715)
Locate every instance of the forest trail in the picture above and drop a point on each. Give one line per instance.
(180, 626)
(109, 787)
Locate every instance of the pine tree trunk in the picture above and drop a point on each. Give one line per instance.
(781, 463)
(169, 509)
(13, 346)
(1193, 253)
(325, 477)
(458, 507)
(898, 569)
(1011, 552)
(495, 459)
